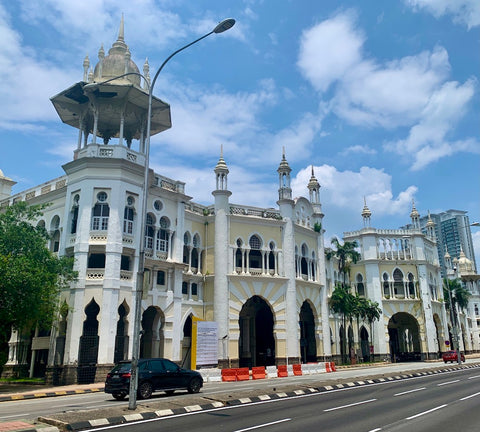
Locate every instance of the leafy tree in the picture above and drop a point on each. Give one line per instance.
(31, 276)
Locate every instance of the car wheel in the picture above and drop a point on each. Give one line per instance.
(194, 386)
(119, 396)
(145, 390)
(445, 361)
(169, 392)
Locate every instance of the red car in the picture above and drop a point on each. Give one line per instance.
(451, 356)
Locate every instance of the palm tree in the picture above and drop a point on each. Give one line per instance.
(372, 313)
(342, 302)
(346, 254)
(460, 295)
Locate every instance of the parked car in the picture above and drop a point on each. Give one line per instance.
(156, 374)
(451, 356)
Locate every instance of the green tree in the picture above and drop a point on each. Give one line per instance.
(346, 254)
(342, 302)
(31, 277)
(460, 295)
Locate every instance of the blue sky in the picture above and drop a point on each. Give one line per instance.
(380, 97)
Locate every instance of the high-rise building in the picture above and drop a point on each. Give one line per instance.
(452, 229)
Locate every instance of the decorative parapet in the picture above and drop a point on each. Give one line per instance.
(95, 274)
(110, 151)
(198, 209)
(37, 191)
(98, 237)
(255, 211)
(169, 184)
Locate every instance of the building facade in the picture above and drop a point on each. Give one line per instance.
(260, 274)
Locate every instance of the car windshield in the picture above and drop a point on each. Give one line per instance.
(122, 367)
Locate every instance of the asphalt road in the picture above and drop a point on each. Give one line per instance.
(447, 401)
(31, 409)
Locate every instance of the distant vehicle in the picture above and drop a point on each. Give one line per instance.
(451, 356)
(156, 374)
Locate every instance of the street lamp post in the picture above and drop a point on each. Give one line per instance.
(132, 398)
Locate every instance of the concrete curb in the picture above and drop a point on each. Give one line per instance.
(23, 396)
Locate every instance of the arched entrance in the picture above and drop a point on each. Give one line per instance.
(151, 342)
(404, 335)
(121, 337)
(438, 333)
(187, 343)
(308, 345)
(364, 345)
(256, 345)
(88, 349)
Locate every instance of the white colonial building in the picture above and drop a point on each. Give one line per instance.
(259, 274)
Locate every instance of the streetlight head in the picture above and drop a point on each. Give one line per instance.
(475, 224)
(225, 25)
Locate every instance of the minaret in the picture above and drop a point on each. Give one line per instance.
(284, 170)
(430, 227)
(220, 284)
(314, 190)
(415, 216)
(286, 205)
(366, 213)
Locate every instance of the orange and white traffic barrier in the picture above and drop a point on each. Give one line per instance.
(297, 369)
(258, 372)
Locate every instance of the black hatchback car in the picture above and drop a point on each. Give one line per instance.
(153, 374)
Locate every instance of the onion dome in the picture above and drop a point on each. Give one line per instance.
(221, 165)
(117, 62)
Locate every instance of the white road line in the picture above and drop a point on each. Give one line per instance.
(375, 430)
(476, 376)
(468, 397)
(426, 412)
(16, 415)
(409, 391)
(448, 382)
(349, 405)
(263, 425)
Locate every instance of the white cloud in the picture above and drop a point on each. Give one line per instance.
(31, 82)
(392, 94)
(427, 140)
(465, 12)
(329, 49)
(344, 190)
(359, 149)
(411, 91)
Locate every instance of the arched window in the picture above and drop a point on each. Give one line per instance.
(128, 215)
(238, 254)
(303, 261)
(271, 256)
(55, 234)
(411, 285)
(360, 285)
(186, 249)
(149, 230)
(162, 235)
(314, 266)
(386, 286)
(255, 255)
(74, 214)
(101, 212)
(398, 286)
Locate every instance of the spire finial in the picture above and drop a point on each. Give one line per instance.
(121, 31)
(221, 151)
